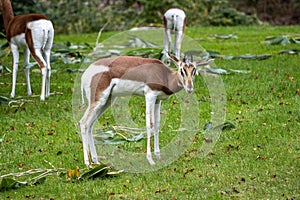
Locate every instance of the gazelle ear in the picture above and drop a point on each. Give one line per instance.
(173, 58)
(204, 62)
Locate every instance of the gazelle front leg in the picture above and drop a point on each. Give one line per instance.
(156, 128)
(15, 52)
(150, 121)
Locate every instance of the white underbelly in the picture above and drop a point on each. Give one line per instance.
(127, 87)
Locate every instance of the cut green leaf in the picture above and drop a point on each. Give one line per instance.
(39, 181)
(96, 172)
(289, 52)
(9, 183)
(283, 40)
(224, 37)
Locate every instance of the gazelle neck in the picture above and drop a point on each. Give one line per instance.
(7, 12)
(175, 84)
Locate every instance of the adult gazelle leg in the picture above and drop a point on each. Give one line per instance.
(177, 43)
(156, 128)
(15, 52)
(27, 67)
(150, 121)
(94, 156)
(87, 122)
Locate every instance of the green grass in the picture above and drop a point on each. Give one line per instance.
(259, 159)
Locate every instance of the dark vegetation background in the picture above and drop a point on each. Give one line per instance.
(84, 16)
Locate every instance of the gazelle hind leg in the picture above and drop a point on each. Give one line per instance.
(92, 113)
(37, 40)
(86, 125)
(48, 74)
(38, 56)
(167, 43)
(90, 139)
(27, 69)
(177, 43)
(85, 140)
(110, 100)
(47, 52)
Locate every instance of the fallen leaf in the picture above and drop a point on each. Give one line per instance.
(74, 174)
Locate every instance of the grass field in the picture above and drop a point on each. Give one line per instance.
(258, 159)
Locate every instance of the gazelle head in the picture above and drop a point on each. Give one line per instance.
(186, 72)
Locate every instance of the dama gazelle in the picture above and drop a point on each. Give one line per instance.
(106, 79)
(174, 21)
(34, 34)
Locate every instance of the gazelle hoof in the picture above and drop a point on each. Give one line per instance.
(150, 160)
(157, 155)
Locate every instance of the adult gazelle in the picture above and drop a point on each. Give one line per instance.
(108, 78)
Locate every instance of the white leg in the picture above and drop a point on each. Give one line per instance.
(47, 58)
(38, 56)
(167, 40)
(48, 82)
(44, 76)
(156, 129)
(43, 40)
(87, 123)
(15, 53)
(91, 143)
(85, 141)
(150, 104)
(84, 123)
(99, 112)
(47, 51)
(27, 69)
(177, 44)
(167, 43)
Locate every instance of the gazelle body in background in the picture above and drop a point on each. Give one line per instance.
(34, 34)
(174, 21)
(106, 79)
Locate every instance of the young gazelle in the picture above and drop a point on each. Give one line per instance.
(106, 79)
(174, 20)
(34, 34)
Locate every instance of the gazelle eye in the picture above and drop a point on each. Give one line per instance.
(194, 72)
(182, 72)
